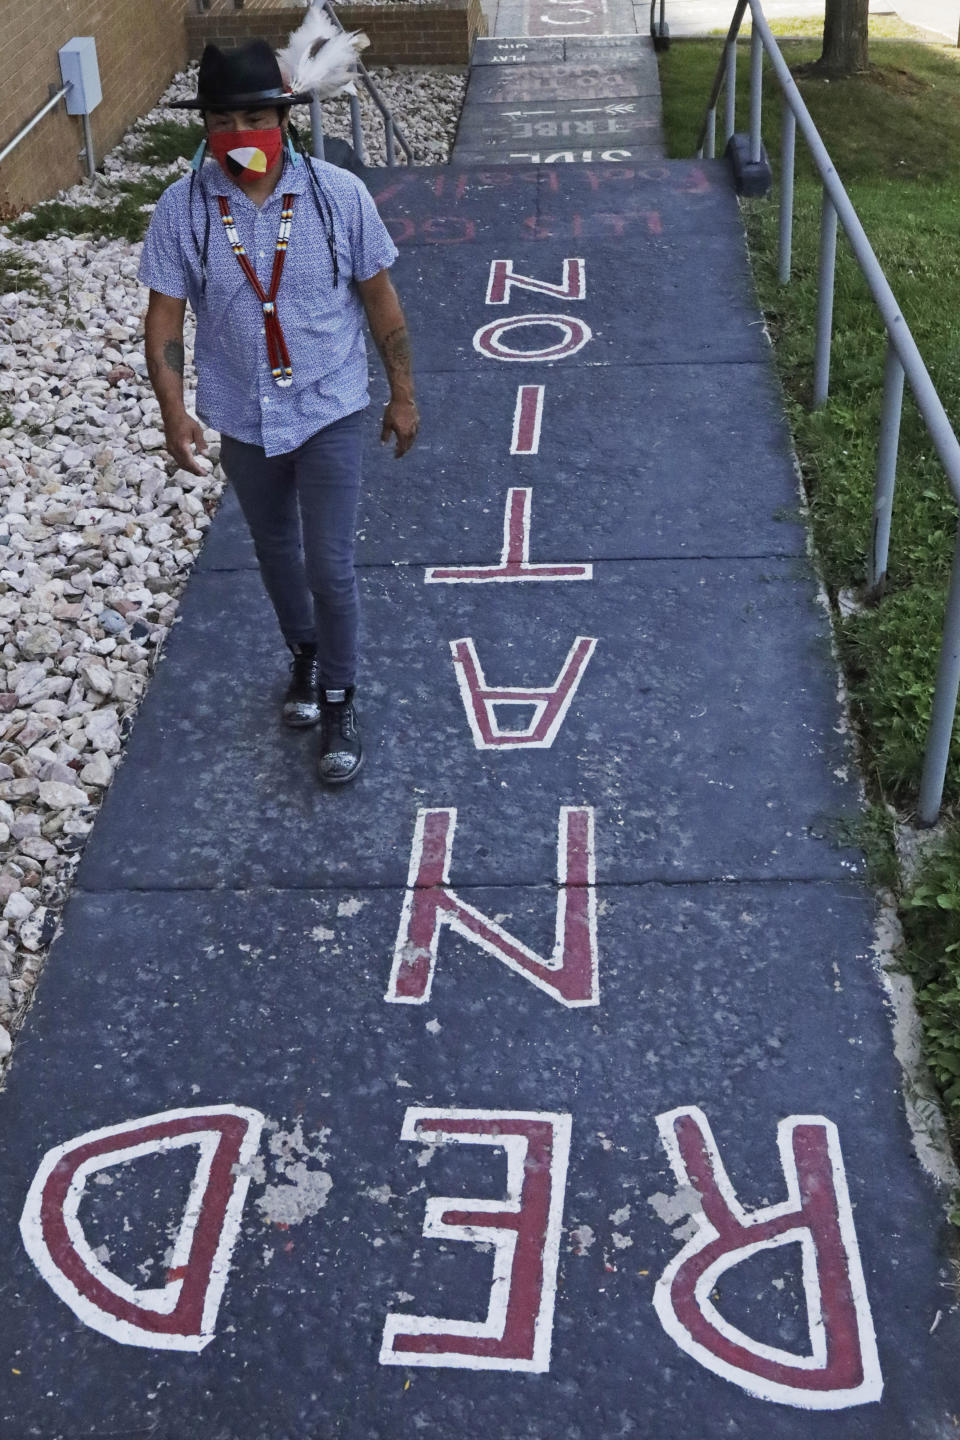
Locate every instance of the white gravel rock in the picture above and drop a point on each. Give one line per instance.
(98, 771)
(58, 796)
(18, 907)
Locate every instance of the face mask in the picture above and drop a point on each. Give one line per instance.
(247, 154)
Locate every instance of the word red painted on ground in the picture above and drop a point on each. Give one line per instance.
(504, 279)
(515, 564)
(549, 703)
(574, 333)
(180, 1314)
(527, 420)
(570, 975)
(523, 1228)
(842, 1367)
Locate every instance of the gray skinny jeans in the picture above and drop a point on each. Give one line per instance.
(301, 508)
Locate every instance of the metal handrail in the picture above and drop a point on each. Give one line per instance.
(54, 99)
(903, 358)
(391, 130)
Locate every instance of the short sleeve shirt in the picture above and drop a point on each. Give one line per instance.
(322, 323)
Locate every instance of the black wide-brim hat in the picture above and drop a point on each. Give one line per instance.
(240, 79)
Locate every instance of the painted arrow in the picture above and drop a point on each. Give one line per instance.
(624, 109)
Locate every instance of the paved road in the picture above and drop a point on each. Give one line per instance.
(541, 1085)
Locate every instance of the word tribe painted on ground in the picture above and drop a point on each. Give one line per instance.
(839, 1365)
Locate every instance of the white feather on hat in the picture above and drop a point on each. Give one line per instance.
(321, 58)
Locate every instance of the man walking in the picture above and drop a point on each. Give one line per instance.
(280, 256)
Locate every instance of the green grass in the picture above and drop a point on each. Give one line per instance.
(167, 141)
(17, 273)
(123, 221)
(894, 137)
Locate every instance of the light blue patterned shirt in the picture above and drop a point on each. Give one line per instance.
(322, 325)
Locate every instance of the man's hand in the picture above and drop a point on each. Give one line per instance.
(182, 432)
(400, 418)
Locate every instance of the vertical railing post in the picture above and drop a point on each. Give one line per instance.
(730, 108)
(886, 478)
(356, 127)
(710, 148)
(756, 94)
(388, 136)
(316, 126)
(788, 146)
(944, 703)
(827, 269)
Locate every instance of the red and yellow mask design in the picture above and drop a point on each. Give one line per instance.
(247, 154)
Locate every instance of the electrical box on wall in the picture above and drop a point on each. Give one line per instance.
(79, 69)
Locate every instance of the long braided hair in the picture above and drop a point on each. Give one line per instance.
(320, 199)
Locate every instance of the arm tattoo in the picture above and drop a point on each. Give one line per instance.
(173, 356)
(395, 350)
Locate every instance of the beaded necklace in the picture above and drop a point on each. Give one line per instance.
(277, 354)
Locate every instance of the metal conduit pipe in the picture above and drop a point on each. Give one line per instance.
(21, 134)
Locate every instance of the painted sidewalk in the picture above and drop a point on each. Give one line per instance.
(576, 951)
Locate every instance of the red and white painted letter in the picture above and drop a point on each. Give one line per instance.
(514, 557)
(570, 975)
(523, 1228)
(550, 702)
(527, 419)
(574, 334)
(842, 1367)
(180, 1314)
(503, 280)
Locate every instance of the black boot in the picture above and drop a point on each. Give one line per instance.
(301, 704)
(341, 753)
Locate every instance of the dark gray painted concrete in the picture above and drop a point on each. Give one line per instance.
(501, 50)
(616, 151)
(497, 85)
(547, 49)
(654, 501)
(231, 936)
(704, 753)
(754, 1002)
(600, 121)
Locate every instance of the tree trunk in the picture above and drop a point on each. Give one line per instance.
(844, 37)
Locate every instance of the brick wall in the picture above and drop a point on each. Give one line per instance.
(140, 45)
(439, 33)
